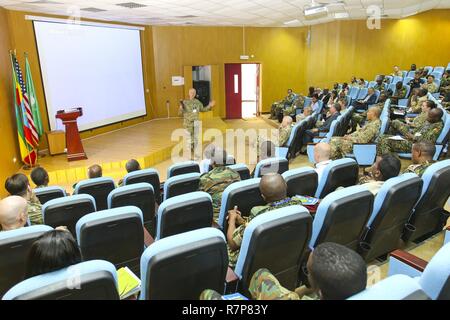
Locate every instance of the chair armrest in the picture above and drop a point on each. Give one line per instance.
(402, 262)
(231, 281)
(148, 239)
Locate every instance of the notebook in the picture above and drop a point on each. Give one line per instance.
(234, 296)
(307, 201)
(129, 283)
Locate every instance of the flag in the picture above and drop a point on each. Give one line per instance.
(27, 140)
(32, 99)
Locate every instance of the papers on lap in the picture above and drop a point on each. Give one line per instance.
(398, 138)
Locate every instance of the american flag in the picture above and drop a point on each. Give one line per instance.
(33, 137)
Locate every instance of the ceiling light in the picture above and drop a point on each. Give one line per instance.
(296, 21)
(341, 15)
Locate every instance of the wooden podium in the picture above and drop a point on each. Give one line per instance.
(75, 150)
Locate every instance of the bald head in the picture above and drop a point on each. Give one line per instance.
(94, 171)
(322, 152)
(435, 115)
(13, 213)
(287, 121)
(273, 187)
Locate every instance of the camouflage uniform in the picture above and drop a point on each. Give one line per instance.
(399, 73)
(238, 234)
(283, 135)
(209, 294)
(399, 94)
(431, 87)
(35, 210)
(428, 132)
(380, 87)
(416, 105)
(445, 86)
(418, 169)
(190, 115)
(403, 128)
(358, 118)
(215, 182)
(281, 105)
(367, 134)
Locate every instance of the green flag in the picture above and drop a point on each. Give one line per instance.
(33, 100)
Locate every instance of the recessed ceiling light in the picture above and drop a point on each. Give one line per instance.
(341, 15)
(292, 22)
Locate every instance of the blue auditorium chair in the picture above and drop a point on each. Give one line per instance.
(342, 217)
(410, 74)
(115, 235)
(398, 287)
(243, 194)
(275, 164)
(440, 70)
(276, 240)
(396, 79)
(49, 193)
(182, 168)
(389, 79)
(429, 215)
(372, 84)
(141, 195)
(184, 213)
(429, 69)
(180, 267)
(14, 248)
(150, 176)
(181, 184)
(362, 94)
(392, 87)
(392, 208)
(301, 181)
(99, 188)
(90, 280)
(242, 169)
(67, 211)
(338, 173)
(447, 235)
(432, 277)
(407, 80)
(437, 75)
(353, 94)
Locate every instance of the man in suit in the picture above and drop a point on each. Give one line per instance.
(371, 98)
(325, 127)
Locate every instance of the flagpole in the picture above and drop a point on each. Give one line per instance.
(35, 150)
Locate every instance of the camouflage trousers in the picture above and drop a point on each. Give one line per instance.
(340, 147)
(288, 110)
(358, 119)
(398, 127)
(189, 126)
(386, 145)
(263, 286)
(275, 110)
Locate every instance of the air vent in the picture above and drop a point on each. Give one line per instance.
(131, 5)
(92, 9)
(186, 17)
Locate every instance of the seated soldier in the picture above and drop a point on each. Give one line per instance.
(422, 157)
(397, 72)
(446, 102)
(361, 83)
(417, 81)
(322, 152)
(413, 67)
(18, 185)
(370, 98)
(430, 131)
(334, 113)
(13, 213)
(430, 85)
(274, 192)
(335, 272)
(340, 146)
(399, 127)
(131, 166)
(39, 176)
(284, 131)
(359, 118)
(218, 179)
(353, 81)
(307, 111)
(379, 85)
(277, 107)
(94, 171)
(385, 167)
(445, 83)
(400, 93)
(415, 105)
(208, 153)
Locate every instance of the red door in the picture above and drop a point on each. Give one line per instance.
(233, 94)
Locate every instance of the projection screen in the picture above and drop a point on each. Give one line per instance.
(98, 68)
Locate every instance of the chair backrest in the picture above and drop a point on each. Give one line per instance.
(408, 89)
(354, 93)
(99, 188)
(396, 287)
(342, 216)
(67, 211)
(141, 195)
(95, 280)
(439, 69)
(301, 181)
(115, 235)
(392, 87)
(426, 216)
(429, 69)
(275, 164)
(445, 133)
(184, 213)
(437, 75)
(298, 131)
(307, 102)
(435, 279)
(49, 193)
(372, 84)
(392, 207)
(407, 80)
(181, 184)
(243, 194)
(396, 79)
(332, 132)
(14, 248)
(338, 173)
(150, 176)
(377, 94)
(276, 240)
(182, 168)
(389, 79)
(182, 266)
(411, 74)
(362, 93)
(242, 169)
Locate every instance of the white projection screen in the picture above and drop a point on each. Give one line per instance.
(98, 68)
